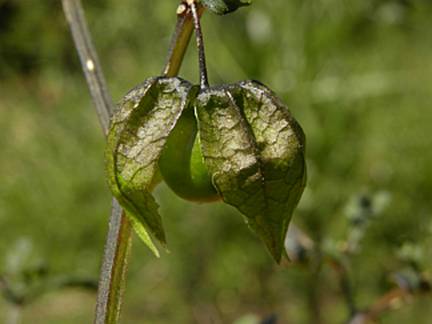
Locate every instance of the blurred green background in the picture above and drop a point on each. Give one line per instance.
(357, 75)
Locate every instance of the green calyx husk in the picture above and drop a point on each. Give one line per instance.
(137, 136)
(254, 150)
(236, 142)
(223, 7)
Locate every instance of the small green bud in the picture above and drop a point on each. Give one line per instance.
(222, 7)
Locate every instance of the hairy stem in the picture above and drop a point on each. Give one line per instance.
(118, 243)
(112, 279)
(89, 61)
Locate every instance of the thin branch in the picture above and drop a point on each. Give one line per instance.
(182, 35)
(89, 61)
(117, 246)
(113, 273)
(200, 44)
(181, 38)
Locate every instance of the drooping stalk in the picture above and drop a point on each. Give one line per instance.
(200, 44)
(118, 242)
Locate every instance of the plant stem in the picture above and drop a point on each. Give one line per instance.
(181, 38)
(200, 44)
(112, 279)
(118, 243)
(89, 60)
(179, 42)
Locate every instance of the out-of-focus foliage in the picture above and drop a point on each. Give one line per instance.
(356, 74)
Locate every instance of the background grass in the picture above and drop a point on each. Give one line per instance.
(357, 75)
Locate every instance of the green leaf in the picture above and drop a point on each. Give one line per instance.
(138, 133)
(222, 7)
(254, 150)
(143, 234)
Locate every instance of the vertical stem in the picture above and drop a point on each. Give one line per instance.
(182, 35)
(89, 61)
(118, 242)
(200, 45)
(112, 279)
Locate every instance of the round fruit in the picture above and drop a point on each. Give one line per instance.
(181, 163)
